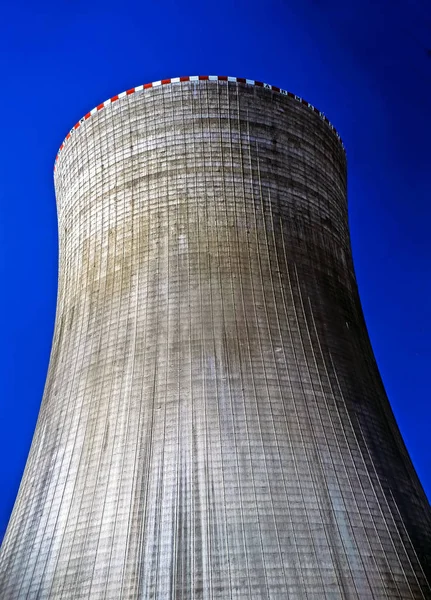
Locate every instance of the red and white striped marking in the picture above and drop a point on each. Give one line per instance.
(147, 86)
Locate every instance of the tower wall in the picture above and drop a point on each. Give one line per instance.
(213, 424)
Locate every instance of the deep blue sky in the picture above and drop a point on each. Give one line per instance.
(363, 62)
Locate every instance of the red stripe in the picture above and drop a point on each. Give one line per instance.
(100, 106)
(68, 136)
(131, 91)
(184, 78)
(87, 116)
(114, 98)
(76, 126)
(203, 77)
(304, 102)
(275, 88)
(258, 83)
(241, 79)
(61, 148)
(147, 86)
(165, 81)
(290, 95)
(222, 78)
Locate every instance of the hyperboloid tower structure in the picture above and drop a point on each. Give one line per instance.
(214, 426)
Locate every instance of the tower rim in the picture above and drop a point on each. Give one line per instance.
(195, 79)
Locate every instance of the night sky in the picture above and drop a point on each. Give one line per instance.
(365, 63)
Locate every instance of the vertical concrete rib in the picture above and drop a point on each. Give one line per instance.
(213, 424)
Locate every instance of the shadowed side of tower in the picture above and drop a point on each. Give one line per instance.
(213, 424)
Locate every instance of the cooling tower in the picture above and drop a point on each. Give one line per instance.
(213, 426)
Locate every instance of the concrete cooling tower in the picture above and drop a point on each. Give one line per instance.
(214, 426)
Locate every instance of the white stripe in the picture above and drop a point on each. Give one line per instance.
(175, 80)
(107, 102)
(139, 88)
(213, 77)
(232, 79)
(122, 94)
(194, 78)
(156, 83)
(250, 81)
(93, 112)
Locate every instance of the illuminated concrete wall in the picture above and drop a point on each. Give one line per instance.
(213, 424)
